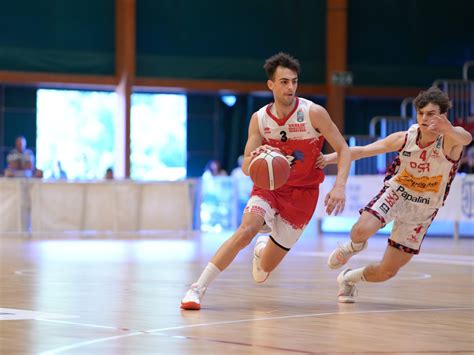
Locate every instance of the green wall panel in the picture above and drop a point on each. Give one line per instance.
(228, 40)
(58, 36)
(409, 42)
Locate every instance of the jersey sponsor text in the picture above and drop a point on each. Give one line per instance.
(421, 183)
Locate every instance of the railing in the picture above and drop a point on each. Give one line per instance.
(365, 166)
(465, 69)
(387, 125)
(461, 93)
(404, 108)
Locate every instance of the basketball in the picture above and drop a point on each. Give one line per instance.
(269, 170)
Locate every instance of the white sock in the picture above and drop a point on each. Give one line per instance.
(208, 275)
(355, 276)
(357, 246)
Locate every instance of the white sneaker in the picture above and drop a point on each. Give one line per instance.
(346, 290)
(192, 299)
(342, 254)
(258, 274)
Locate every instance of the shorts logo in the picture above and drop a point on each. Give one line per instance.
(389, 201)
(409, 197)
(467, 198)
(391, 198)
(421, 183)
(384, 208)
(414, 237)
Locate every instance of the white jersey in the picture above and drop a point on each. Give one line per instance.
(422, 175)
(296, 137)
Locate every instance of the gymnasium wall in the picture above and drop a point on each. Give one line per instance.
(391, 43)
(58, 36)
(409, 42)
(17, 117)
(228, 40)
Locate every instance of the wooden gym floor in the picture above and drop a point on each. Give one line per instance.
(109, 294)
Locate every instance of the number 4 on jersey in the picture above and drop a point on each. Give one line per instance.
(423, 155)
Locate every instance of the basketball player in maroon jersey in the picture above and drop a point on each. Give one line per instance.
(415, 187)
(297, 127)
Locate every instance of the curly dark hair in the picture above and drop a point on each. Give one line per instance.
(281, 59)
(435, 96)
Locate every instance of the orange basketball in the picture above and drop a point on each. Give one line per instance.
(269, 170)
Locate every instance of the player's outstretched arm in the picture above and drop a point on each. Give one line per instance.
(391, 143)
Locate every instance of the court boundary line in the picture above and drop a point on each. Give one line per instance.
(247, 320)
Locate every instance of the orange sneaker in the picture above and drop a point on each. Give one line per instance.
(192, 298)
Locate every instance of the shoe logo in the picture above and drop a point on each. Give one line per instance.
(340, 257)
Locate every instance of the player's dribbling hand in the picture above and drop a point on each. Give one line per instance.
(261, 149)
(439, 124)
(335, 200)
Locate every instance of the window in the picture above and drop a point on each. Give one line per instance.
(158, 137)
(79, 130)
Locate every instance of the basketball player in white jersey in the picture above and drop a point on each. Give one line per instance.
(415, 187)
(297, 127)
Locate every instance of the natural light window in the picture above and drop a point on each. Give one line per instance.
(75, 129)
(78, 134)
(158, 137)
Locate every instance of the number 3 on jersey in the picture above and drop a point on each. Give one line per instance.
(284, 138)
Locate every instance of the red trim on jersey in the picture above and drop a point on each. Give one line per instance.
(418, 138)
(283, 120)
(452, 160)
(404, 143)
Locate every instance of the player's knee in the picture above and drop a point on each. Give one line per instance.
(245, 234)
(360, 232)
